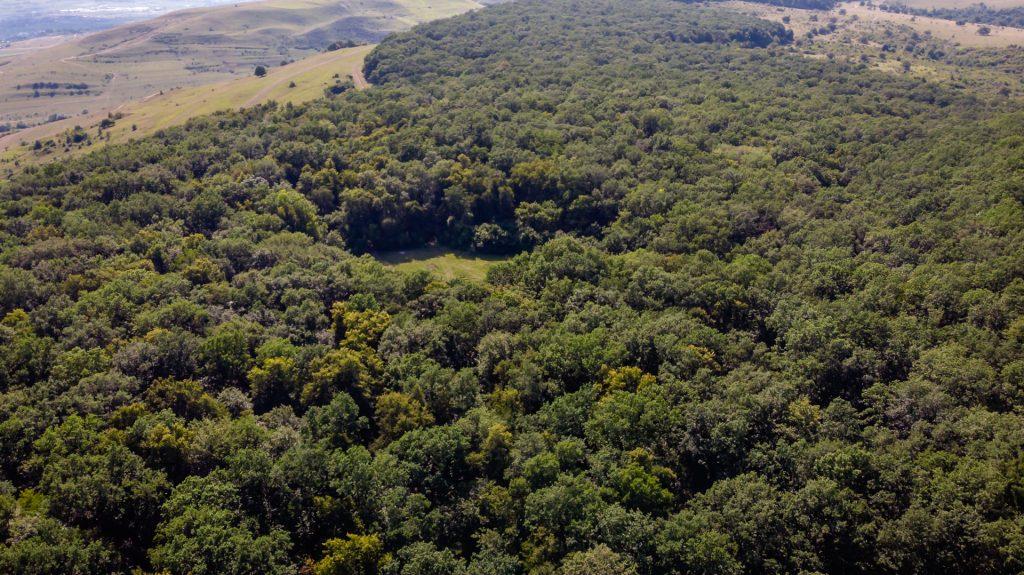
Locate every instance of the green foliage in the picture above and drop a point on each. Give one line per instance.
(185, 398)
(756, 312)
(356, 555)
(397, 413)
(337, 423)
(358, 328)
(274, 382)
(50, 548)
(600, 560)
(297, 212)
(205, 531)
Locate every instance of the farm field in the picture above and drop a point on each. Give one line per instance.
(22, 20)
(31, 45)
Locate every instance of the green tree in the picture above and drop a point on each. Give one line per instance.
(396, 413)
(354, 555)
(204, 532)
(599, 560)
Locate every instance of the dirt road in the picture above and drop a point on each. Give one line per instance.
(357, 76)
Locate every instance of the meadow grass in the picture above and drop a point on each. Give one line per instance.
(445, 263)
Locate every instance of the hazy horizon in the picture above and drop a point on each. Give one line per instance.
(23, 19)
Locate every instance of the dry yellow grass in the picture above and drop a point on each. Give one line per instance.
(996, 4)
(965, 35)
(310, 76)
(860, 33)
(852, 17)
(190, 48)
(799, 21)
(32, 45)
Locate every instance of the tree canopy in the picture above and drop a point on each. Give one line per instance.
(762, 313)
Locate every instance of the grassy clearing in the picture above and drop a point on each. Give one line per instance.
(444, 263)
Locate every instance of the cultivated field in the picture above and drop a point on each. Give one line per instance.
(100, 72)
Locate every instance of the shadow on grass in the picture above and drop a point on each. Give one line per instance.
(443, 262)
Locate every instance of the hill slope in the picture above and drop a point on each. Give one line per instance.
(294, 83)
(97, 73)
(763, 314)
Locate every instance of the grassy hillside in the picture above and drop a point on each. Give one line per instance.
(995, 4)
(935, 49)
(95, 74)
(294, 83)
(853, 20)
(896, 44)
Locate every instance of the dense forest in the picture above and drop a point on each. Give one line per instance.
(763, 313)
